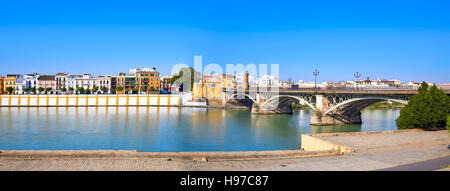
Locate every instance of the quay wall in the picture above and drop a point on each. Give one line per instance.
(89, 100)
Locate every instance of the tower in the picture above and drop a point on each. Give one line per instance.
(246, 80)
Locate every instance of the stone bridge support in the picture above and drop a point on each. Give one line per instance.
(318, 116)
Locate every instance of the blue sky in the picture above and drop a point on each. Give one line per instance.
(407, 40)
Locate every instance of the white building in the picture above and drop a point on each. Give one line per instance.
(135, 70)
(20, 84)
(103, 81)
(268, 80)
(240, 79)
(32, 80)
(86, 81)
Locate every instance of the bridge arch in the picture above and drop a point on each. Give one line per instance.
(367, 100)
(300, 99)
(234, 95)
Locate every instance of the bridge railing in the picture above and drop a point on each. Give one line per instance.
(405, 91)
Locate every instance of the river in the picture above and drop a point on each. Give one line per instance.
(166, 129)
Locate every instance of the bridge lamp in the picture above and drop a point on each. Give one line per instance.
(357, 76)
(315, 73)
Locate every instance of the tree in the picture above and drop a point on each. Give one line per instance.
(71, 89)
(9, 90)
(134, 90)
(33, 90)
(47, 90)
(95, 89)
(152, 88)
(180, 74)
(63, 89)
(426, 110)
(143, 89)
(87, 91)
(25, 89)
(40, 89)
(119, 88)
(104, 89)
(80, 90)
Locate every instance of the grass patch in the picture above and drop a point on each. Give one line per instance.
(385, 105)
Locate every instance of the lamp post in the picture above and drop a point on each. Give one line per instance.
(357, 76)
(315, 73)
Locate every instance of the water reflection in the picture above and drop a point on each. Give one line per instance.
(165, 128)
(335, 129)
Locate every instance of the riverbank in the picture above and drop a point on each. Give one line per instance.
(374, 150)
(386, 105)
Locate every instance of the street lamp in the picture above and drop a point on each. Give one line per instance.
(315, 73)
(357, 76)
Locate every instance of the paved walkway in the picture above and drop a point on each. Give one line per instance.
(374, 151)
(433, 164)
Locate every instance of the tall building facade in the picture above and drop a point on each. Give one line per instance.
(1, 85)
(10, 82)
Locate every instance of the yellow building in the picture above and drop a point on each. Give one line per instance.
(9, 81)
(212, 87)
(207, 90)
(228, 81)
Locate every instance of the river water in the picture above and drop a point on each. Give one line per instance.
(166, 129)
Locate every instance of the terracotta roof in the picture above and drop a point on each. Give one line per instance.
(46, 77)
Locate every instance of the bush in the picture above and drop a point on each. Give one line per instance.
(426, 110)
(448, 122)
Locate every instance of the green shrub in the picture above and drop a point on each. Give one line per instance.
(448, 122)
(426, 110)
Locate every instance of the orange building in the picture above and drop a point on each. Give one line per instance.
(127, 82)
(1, 85)
(148, 80)
(139, 79)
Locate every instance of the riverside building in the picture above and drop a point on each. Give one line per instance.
(47, 81)
(10, 81)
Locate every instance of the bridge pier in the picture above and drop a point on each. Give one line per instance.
(279, 109)
(318, 116)
(286, 109)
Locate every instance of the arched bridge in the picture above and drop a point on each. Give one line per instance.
(328, 106)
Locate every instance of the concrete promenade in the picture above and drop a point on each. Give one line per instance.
(373, 151)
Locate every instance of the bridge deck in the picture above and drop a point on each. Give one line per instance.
(303, 91)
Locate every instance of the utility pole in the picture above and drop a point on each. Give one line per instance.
(315, 73)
